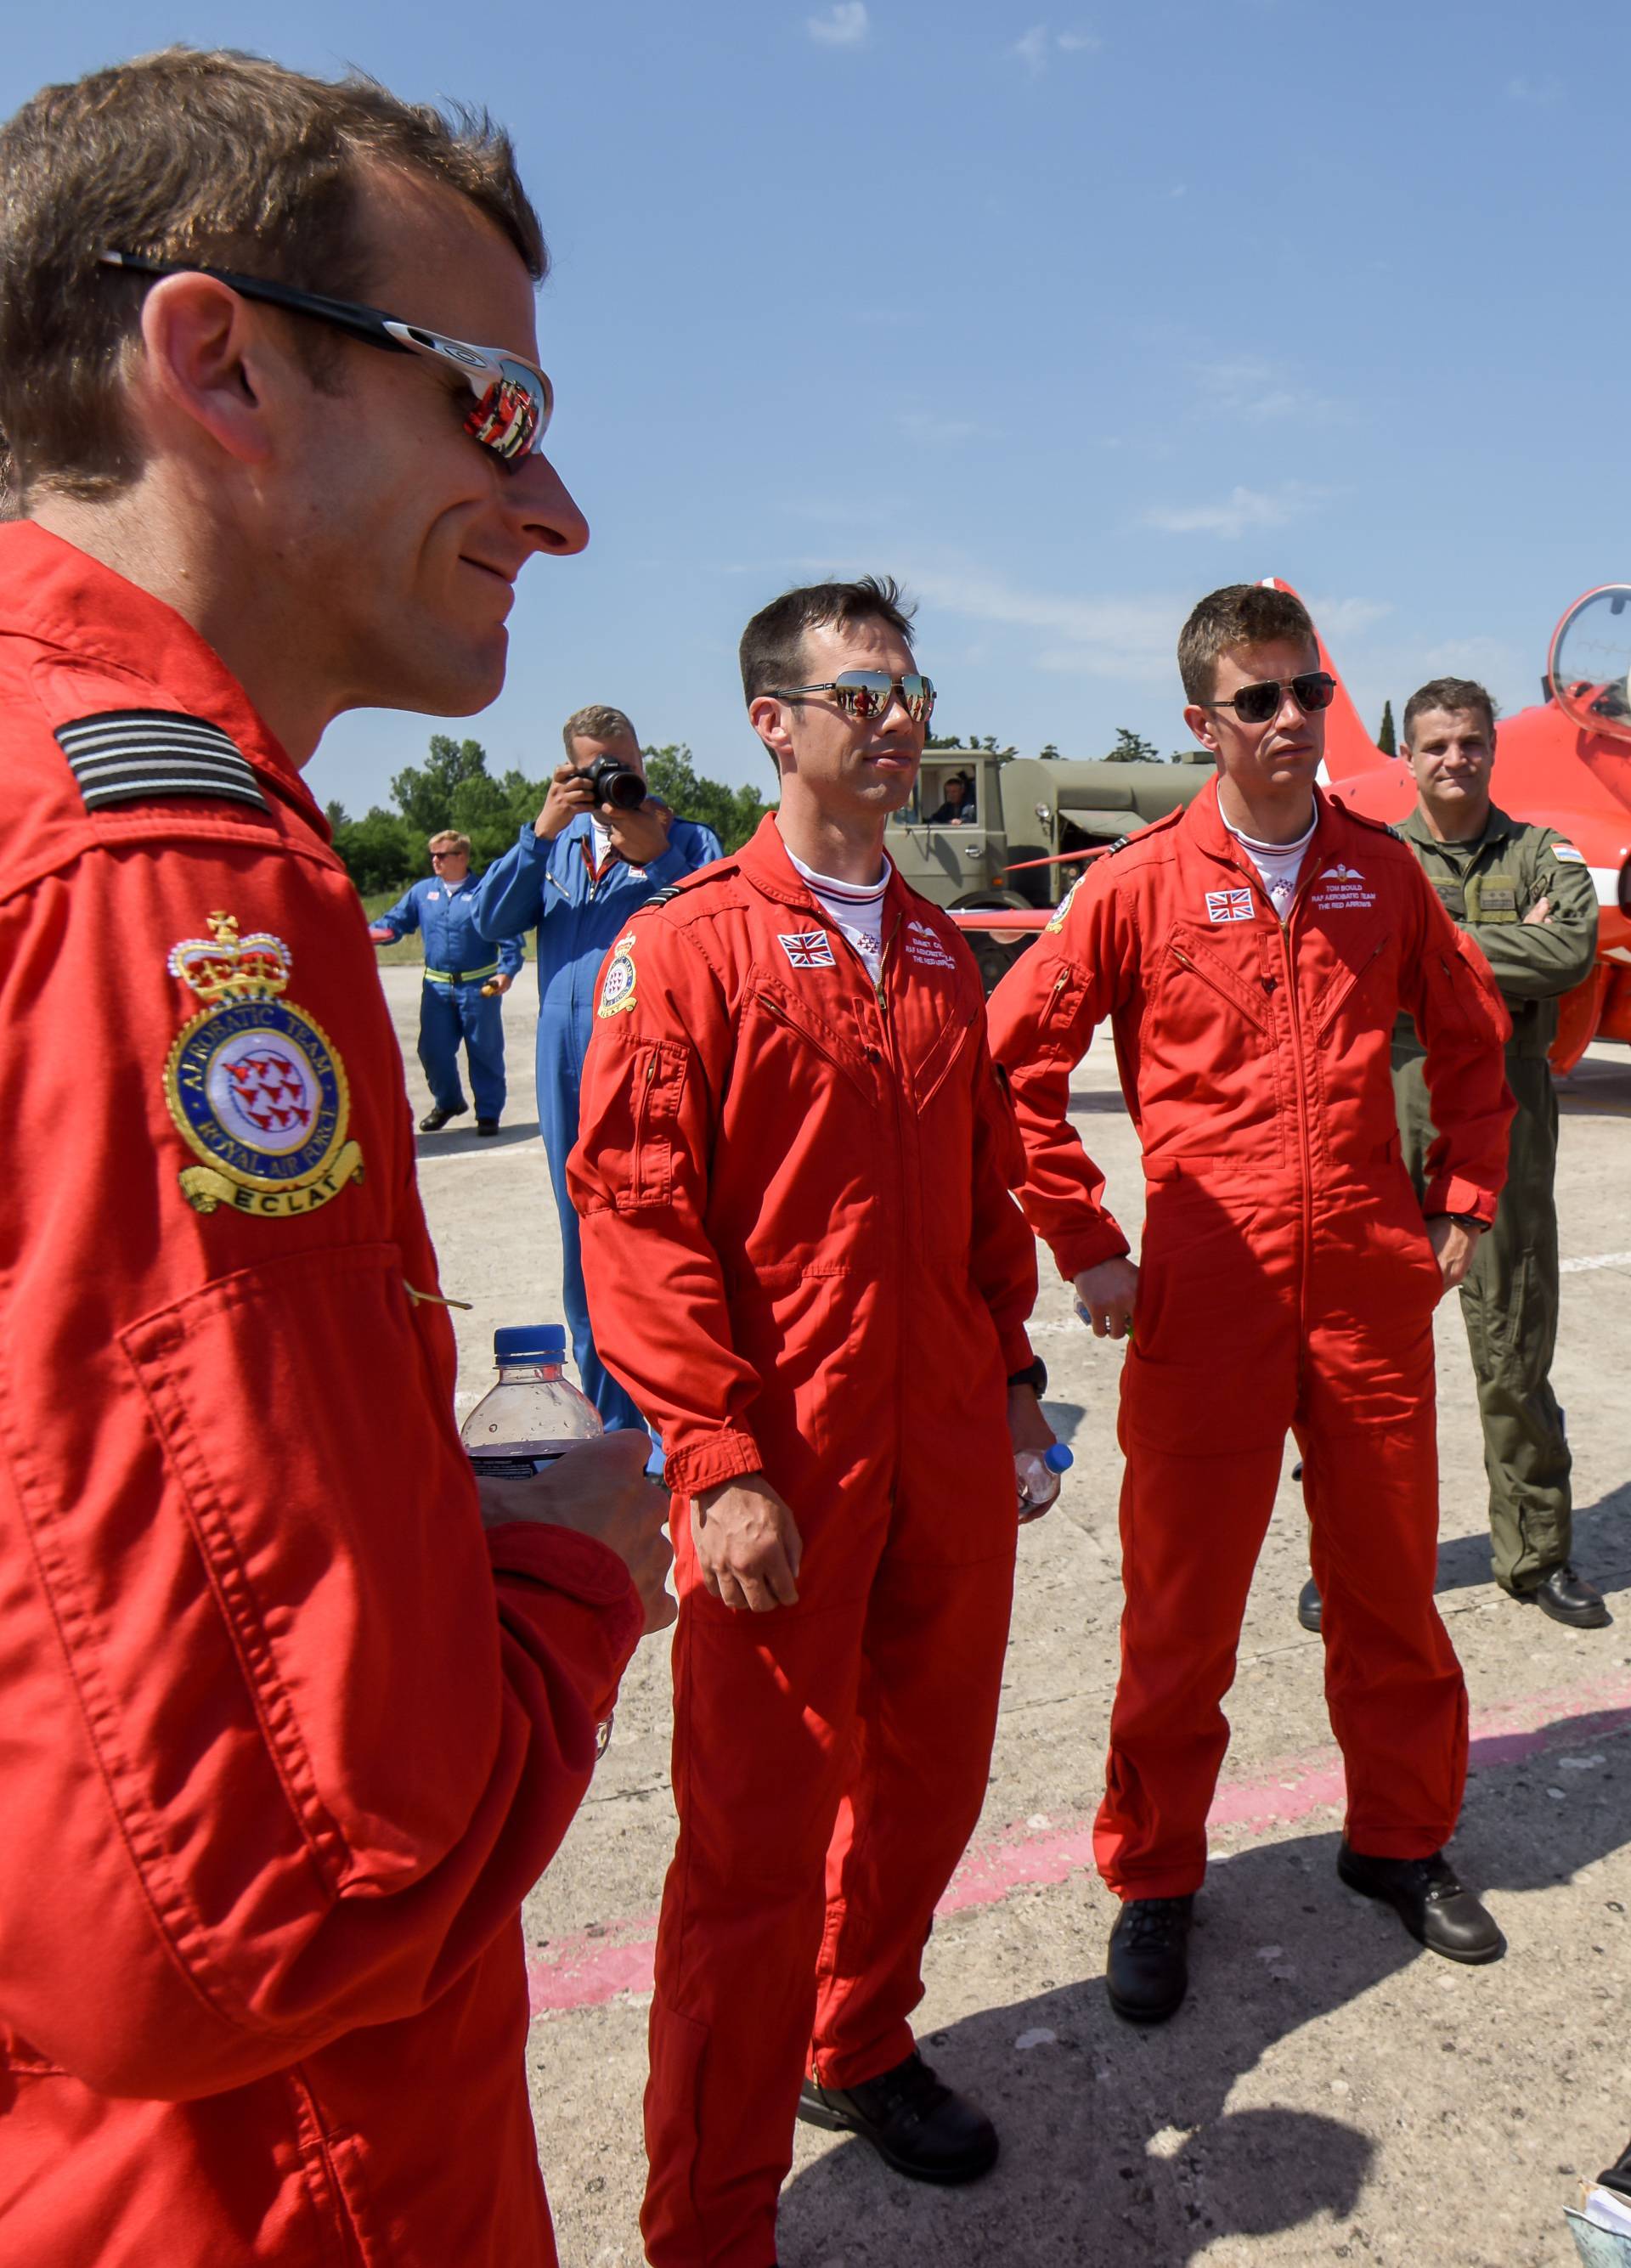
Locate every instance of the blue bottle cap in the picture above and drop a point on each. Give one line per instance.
(529, 1343)
(1058, 1459)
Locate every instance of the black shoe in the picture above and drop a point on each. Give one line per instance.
(1567, 1598)
(486, 1125)
(1310, 1606)
(433, 1121)
(1147, 1971)
(912, 2121)
(1618, 2176)
(1433, 1904)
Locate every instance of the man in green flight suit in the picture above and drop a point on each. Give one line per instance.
(1525, 895)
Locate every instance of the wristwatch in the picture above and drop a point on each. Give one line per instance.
(1467, 1221)
(1035, 1375)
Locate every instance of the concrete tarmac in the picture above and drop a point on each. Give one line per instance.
(1329, 2092)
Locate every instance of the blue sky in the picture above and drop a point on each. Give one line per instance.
(1064, 318)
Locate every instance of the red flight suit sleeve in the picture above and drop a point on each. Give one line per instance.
(1040, 1018)
(282, 1759)
(1463, 1024)
(1002, 1255)
(653, 1085)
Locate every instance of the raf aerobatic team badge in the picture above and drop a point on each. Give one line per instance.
(617, 992)
(255, 1089)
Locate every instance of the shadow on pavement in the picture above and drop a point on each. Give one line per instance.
(1119, 2150)
(462, 1135)
(1601, 1548)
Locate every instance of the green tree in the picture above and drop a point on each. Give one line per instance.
(732, 812)
(381, 851)
(1387, 740)
(1133, 749)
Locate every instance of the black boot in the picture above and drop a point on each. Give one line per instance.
(1431, 1901)
(914, 2123)
(1147, 1971)
(1618, 2176)
(436, 1118)
(1310, 1606)
(1567, 1598)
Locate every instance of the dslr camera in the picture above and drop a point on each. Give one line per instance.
(612, 781)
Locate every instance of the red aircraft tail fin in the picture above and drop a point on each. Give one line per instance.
(1349, 749)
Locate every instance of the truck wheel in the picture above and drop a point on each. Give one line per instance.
(996, 953)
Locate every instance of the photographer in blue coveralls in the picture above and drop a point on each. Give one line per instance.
(598, 850)
(464, 982)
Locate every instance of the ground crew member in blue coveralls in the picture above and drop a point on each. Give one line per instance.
(577, 873)
(464, 982)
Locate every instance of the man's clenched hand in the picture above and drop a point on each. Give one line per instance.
(1106, 1293)
(748, 1544)
(599, 1488)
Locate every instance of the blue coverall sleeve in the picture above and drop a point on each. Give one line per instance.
(404, 914)
(511, 957)
(699, 848)
(511, 895)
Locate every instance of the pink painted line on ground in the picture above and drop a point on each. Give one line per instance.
(585, 1971)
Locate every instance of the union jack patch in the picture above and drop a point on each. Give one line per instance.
(1229, 905)
(808, 949)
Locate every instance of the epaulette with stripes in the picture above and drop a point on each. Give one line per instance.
(132, 755)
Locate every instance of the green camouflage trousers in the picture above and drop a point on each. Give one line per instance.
(1510, 1303)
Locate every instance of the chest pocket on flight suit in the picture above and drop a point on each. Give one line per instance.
(1492, 898)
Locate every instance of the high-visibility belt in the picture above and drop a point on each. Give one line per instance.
(461, 975)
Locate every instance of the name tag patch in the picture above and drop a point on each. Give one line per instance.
(926, 947)
(1343, 890)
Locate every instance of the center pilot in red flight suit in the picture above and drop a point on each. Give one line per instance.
(1253, 955)
(288, 1733)
(804, 1261)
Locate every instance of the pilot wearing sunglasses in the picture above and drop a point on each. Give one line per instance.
(297, 1711)
(1253, 955)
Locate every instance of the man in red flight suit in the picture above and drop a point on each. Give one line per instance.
(804, 1261)
(286, 1737)
(1252, 954)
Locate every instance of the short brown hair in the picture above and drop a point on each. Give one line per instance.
(597, 722)
(1452, 693)
(449, 839)
(772, 644)
(210, 157)
(1241, 614)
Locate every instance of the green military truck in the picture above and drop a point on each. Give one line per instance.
(960, 846)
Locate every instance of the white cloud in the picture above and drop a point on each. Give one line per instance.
(845, 24)
(937, 432)
(1032, 49)
(1545, 91)
(1242, 509)
(1125, 639)
(1247, 386)
(1341, 620)
(1038, 46)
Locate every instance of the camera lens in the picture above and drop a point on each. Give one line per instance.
(617, 784)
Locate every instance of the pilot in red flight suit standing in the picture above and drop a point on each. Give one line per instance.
(804, 1262)
(287, 1738)
(1252, 954)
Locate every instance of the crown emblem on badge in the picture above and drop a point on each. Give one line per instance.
(227, 966)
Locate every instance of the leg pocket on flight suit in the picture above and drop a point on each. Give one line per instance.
(1205, 1321)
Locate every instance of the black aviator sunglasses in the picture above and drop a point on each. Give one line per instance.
(1255, 704)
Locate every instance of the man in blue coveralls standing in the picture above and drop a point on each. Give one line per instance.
(464, 981)
(578, 872)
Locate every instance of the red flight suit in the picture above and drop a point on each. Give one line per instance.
(285, 1738)
(803, 1258)
(1286, 1281)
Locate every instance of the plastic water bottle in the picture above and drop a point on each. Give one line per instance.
(534, 1414)
(1038, 1474)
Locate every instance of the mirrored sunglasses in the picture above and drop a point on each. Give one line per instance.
(515, 400)
(1255, 704)
(867, 695)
